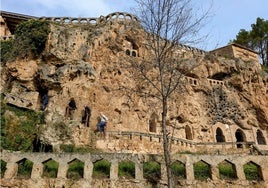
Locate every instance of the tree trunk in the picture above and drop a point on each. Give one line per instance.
(166, 143)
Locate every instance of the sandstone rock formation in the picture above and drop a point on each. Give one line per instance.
(223, 96)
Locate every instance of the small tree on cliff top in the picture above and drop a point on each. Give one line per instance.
(168, 24)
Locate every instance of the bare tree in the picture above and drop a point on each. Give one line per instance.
(168, 24)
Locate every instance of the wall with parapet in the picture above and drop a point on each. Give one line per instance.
(12, 159)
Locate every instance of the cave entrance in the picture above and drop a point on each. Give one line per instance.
(260, 138)
(220, 76)
(38, 146)
(240, 137)
(43, 98)
(219, 135)
(188, 133)
(152, 123)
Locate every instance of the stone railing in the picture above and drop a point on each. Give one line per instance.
(215, 82)
(195, 81)
(12, 160)
(192, 49)
(151, 137)
(178, 144)
(192, 81)
(117, 16)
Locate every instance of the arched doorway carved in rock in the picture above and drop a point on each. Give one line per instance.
(188, 133)
(152, 123)
(240, 137)
(260, 138)
(219, 135)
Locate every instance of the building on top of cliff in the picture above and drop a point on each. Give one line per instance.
(9, 20)
(237, 51)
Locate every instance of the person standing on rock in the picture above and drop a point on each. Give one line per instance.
(102, 124)
(86, 116)
(70, 109)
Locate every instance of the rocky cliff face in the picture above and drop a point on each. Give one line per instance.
(87, 63)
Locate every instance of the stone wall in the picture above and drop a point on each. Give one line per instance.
(116, 16)
(152, 143)
(245, 54)
(36, 180)
(237, 51)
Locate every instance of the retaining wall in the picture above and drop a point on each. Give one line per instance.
(13, 158)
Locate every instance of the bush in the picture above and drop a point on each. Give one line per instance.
(178, 170)
(50, 169)
(152, 172)
(25, 168)
(5, 49)
(252, 172)
(202, 171)
(30, 40)
(75, 170)
(19, 135)
(227, 170)
(126, 169)
(101, 169)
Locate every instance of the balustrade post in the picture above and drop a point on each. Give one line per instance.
(88, 169)
(11, 170)
(163, 172)
(62, 170)
(37, 170)
(114, 170)
(240, 172)
(214, 172)
(265, 173)
(139, 171)
(189, 170)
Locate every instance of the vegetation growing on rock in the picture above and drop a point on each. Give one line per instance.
(18, 127)
(30, 40)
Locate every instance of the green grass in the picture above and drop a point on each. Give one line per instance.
(152, 171)
(252, 172)
(70, 148)
(178, 170)
(5, 49)
(18, 128)
(101, 169)
(50, 169)
(25, 167)
(75, 170)
(227, 170)
(202, 171)
(126, 169)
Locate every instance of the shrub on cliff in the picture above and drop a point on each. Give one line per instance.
(5, 49)
(18, 127)
(30, 40)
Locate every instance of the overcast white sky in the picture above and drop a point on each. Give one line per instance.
(229, 16)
